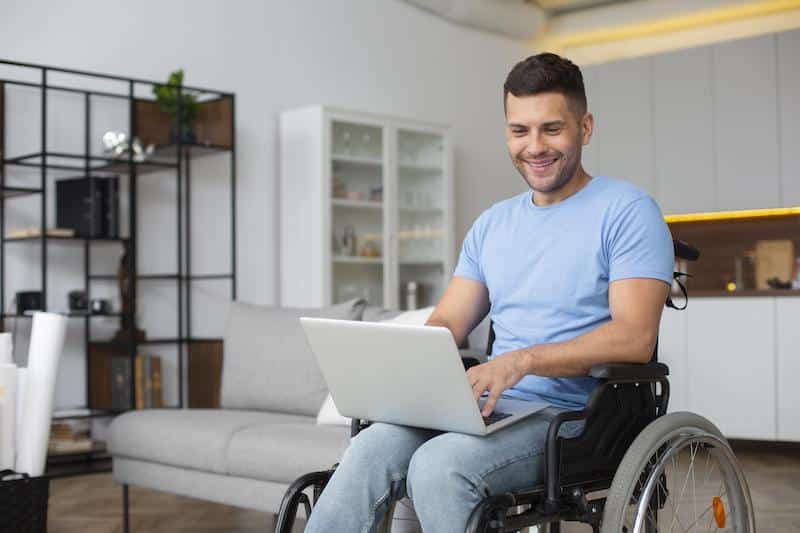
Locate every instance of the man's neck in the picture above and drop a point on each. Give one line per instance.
(578, 182)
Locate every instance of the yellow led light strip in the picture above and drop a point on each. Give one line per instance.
(695, 20)
(733, 215)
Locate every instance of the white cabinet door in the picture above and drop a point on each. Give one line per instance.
(788, 368)
(684, 142)
(621, 101)
(731, 356)
(789, 115)
(745, 124)
(672, 352)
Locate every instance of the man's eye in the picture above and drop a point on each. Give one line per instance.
(518, 132)
(552, 131)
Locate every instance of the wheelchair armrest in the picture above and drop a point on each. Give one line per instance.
(629, 371)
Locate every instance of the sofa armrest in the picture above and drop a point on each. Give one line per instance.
(629, 371)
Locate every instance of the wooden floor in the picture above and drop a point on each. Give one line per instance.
(92, 504)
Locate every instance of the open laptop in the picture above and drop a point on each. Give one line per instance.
(408, 375)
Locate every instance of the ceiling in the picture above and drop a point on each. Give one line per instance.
(560, 7)
(518, 19)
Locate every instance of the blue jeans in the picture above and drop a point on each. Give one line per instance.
(444, 474)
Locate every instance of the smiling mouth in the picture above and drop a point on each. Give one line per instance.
(542, 164)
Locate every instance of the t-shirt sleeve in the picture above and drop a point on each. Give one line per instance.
(469, 260)
(640, 243)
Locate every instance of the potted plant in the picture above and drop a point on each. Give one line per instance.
(167, 98)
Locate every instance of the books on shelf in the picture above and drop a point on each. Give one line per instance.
(147, 372)
(70, 436)
(146, 382)
(22, 233)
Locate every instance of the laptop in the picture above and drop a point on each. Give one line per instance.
(401, 374)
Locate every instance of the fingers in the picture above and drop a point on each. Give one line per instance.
(494, 395)
(478, 388)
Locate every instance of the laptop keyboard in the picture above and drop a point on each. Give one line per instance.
(495, 417)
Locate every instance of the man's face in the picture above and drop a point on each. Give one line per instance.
(545, 139)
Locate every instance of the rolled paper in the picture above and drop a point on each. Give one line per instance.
(6, 349)
(47, 342)
(8, 415)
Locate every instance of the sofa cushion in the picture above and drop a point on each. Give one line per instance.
(268, 362)
(282, 452)
(188, 438)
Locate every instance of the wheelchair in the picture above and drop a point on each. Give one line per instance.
(633, 468)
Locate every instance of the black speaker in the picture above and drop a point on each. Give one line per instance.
(29, 301)
(90, 206)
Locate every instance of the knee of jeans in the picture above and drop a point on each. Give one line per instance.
(436, 470)
(374, 446)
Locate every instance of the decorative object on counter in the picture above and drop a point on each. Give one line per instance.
(116, 145)
(774, 260)
(411, 295)
(167, 98)
(127, 322)
(775, 283)
(370, 248)
(78, 301)
(100, 306)
(796, 280)
(349, 241)
(339, 188)
(29, 301)
(356, 196)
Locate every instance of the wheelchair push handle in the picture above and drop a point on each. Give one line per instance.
(684, 250)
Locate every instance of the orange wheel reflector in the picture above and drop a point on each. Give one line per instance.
(719, 511)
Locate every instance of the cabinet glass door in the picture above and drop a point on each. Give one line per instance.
(421, 203)
(357, 212)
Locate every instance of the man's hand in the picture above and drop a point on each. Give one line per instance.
(497, 375)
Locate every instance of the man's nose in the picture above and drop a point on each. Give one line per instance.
(535, 148)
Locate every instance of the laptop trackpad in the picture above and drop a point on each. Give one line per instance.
(507, 407)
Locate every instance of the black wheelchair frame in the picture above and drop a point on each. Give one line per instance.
(627, 398)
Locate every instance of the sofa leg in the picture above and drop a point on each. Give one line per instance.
(125, 516)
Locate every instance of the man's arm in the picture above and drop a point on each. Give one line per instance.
(461, 308)
(629, 337)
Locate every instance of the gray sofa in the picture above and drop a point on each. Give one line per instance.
(265, 435)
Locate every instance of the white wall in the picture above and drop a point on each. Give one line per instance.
(380, 56)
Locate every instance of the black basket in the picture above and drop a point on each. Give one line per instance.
(23, 503)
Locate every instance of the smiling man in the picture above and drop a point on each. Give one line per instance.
(574, 273)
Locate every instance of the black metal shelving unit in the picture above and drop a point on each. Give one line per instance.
(172, 156)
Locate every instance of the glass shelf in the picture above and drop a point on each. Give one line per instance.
(357, 260)
(11, 192)
(354, 160)
(356, 204)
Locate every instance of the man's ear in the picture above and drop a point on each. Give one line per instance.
(587, 128)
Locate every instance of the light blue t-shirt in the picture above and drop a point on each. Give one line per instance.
(548, 269)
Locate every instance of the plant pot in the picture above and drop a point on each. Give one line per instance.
(187, 136)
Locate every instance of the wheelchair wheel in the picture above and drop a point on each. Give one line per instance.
(679, 475)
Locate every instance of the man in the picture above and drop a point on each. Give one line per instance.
(574, 273)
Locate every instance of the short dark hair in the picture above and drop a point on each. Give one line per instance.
(547, 72)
